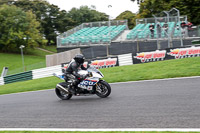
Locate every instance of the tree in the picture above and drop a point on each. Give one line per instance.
(85, 14)
(129, 16)
(53, 21)
(152, 7)
(8, 2)
(190, 8)
(18, 28)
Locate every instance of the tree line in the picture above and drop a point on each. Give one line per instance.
(190, 8)
(37, 22)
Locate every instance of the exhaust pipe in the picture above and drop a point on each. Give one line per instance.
(62, 88)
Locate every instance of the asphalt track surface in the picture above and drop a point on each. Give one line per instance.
(149, 104)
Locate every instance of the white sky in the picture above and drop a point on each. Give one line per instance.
(118, 6)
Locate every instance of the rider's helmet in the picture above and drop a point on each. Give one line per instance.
(79, 58)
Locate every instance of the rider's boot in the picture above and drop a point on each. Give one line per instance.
(77, 92)
(72, 89)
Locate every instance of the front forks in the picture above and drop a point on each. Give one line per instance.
(98, 88)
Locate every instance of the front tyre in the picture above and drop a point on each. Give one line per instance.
(103, 89)
(62, 95)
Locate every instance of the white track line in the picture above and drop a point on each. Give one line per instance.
(100, 129)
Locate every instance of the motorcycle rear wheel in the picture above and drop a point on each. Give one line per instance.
(103, 89)
(62, 95)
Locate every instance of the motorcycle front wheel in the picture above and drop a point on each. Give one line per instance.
(103, 89)
(62, 95)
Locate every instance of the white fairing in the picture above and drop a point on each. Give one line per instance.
(89, 82)
(96, 74)
(82, 72)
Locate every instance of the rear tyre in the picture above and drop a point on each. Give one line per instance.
(62, 94)
(103, 89)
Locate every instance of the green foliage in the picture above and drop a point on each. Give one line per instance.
(190, 8)
(85, 14)
(9, 2)
(53, 21)
(129, 16)
(18, 28)
(150, 7)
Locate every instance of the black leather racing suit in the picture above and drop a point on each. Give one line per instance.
(72, 72)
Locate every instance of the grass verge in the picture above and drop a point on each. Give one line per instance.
(33, 60)
(51, 48)
(30, 85)
(154, 70)
(14, 61)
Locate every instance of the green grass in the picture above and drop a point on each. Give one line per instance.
(30, 85)
(51, 48)
(154, 70)
(37, 52)
(33, 60)
(14, 61)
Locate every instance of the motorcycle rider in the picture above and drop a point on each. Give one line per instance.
(71, 72)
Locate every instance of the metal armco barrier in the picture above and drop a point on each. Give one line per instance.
(125, 59)
(1, 81)
(45, 72)
(18, 77)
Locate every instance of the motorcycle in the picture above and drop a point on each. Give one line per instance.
(89, 86)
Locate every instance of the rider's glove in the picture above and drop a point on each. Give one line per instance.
(90, 74)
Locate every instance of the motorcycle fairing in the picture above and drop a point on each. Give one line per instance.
(88, 83)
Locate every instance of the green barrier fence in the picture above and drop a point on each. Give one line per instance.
(18, 77)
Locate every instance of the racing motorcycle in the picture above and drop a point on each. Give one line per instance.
(89, 86)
